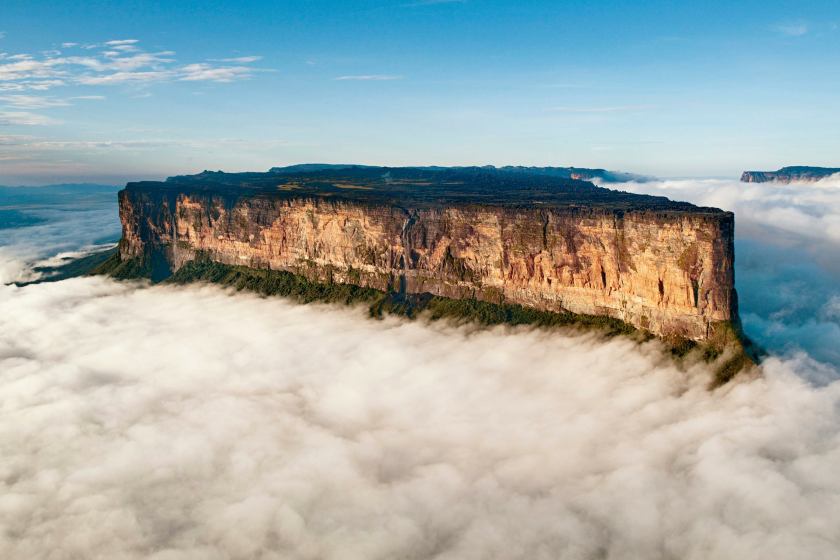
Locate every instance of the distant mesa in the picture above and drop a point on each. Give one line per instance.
(789, 174)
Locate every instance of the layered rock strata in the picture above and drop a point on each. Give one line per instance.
(549, 244)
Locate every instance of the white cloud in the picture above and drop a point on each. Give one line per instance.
(22, 118)
(206, 72)
(68, 45)
(32, 101)
(602, 109)
(24, 68)
(125, 48)
(101, 144)
(121, 42)
(118, 62)
(241, 59)
(13, 139)
(125, 77)
(31, 85)
(795, 29)
(831, 310)
(808, 209)
(371, 77)
(190, 422)
(149, 423)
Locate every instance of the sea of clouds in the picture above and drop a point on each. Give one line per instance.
(73, 221)
(169, 423)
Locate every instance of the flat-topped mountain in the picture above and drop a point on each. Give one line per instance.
(582, 173)
(419, 186)
(548, 243)
(789, 174)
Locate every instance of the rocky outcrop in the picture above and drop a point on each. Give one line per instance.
(557, 246)
(789, 174)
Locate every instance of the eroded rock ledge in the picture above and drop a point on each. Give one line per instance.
(549, 244)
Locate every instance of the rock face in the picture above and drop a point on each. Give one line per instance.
(538, 241)
(789, 174)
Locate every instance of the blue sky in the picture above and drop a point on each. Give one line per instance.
(114, 91)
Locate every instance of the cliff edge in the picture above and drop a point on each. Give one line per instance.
(551, 244)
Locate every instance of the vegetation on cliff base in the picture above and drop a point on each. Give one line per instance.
(71, 267)
(727, 343)
(120, 269)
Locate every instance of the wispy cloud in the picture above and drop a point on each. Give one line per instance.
(370, 77)
(30, 85)
(125, 77)
(33, 147)
(42, 102)
(792, 29)
(32, 101)
(23, 118)
(208, 73)
(240, 59)
(23, 67)
(604, 109)
(114, 62)
(100, 144)
(120, 42)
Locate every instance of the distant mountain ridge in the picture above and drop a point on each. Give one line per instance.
(789, 174)
(581, 173)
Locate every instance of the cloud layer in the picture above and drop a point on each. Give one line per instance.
(191, 423)
(172, 423)
(73, 219)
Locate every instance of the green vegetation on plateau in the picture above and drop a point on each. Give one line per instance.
(415, 187)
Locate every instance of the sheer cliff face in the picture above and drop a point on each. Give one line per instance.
(670, 272)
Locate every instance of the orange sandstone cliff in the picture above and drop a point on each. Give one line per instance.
(542, 242)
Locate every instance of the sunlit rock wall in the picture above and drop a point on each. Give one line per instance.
(668, 272)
